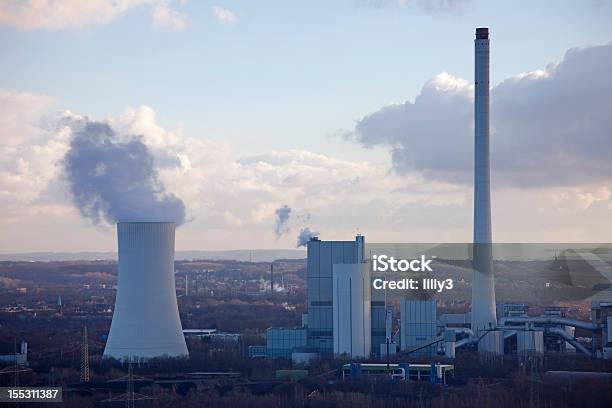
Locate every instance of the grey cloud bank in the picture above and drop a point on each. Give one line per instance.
(549, 128)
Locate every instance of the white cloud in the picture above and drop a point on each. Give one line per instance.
(232, 219)
(550, 127)
(21, 113)
(164, 16)
(231, 198)
(66, 14)
(231, 194)
(223, 15)
(28, 155)
(425, 5)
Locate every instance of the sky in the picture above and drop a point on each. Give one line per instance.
(354, 114)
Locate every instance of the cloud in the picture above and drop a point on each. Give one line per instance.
(232, 219)
(211, 176)
(67, 14)
(233, 197)
(164, 16)
(223, 15)
(28, 155)
(21, 115)
(433, 6)
(550, 127)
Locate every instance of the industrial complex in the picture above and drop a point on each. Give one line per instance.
(347, 317)
(306, 204)
(222, 332)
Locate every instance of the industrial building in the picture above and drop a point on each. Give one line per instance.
(282, 341)
(601, 315)
(17, 358)
(418, 326)
(322, 255)
(339, 320)
(351, 310)
(146, 322)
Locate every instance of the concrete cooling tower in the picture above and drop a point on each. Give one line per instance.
(483, 287)
(146, 321)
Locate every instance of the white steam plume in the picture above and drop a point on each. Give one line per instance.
(116, 178)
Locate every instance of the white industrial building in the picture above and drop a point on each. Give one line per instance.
(146, 320)
(351, 310)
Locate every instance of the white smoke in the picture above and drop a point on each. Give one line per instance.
(304, 236)
(116, 178)
(281, 216)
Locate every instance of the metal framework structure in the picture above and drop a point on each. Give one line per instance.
(85, 356)
(130, 397)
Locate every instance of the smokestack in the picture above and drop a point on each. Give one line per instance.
(483, 282)
(186, 284)
(146, 321)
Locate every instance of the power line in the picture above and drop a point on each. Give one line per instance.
(130, 396)
(85, 356)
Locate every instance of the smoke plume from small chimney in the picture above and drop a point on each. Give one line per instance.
(304, 236)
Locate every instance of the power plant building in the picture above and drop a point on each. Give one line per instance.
(418, 326)
(351, 310)
(146, 322)
(322, 256)
(282, 341)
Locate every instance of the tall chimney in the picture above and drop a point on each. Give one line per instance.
(483, 282)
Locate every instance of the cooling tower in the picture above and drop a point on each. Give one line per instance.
(146, 321)
(483, 282)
